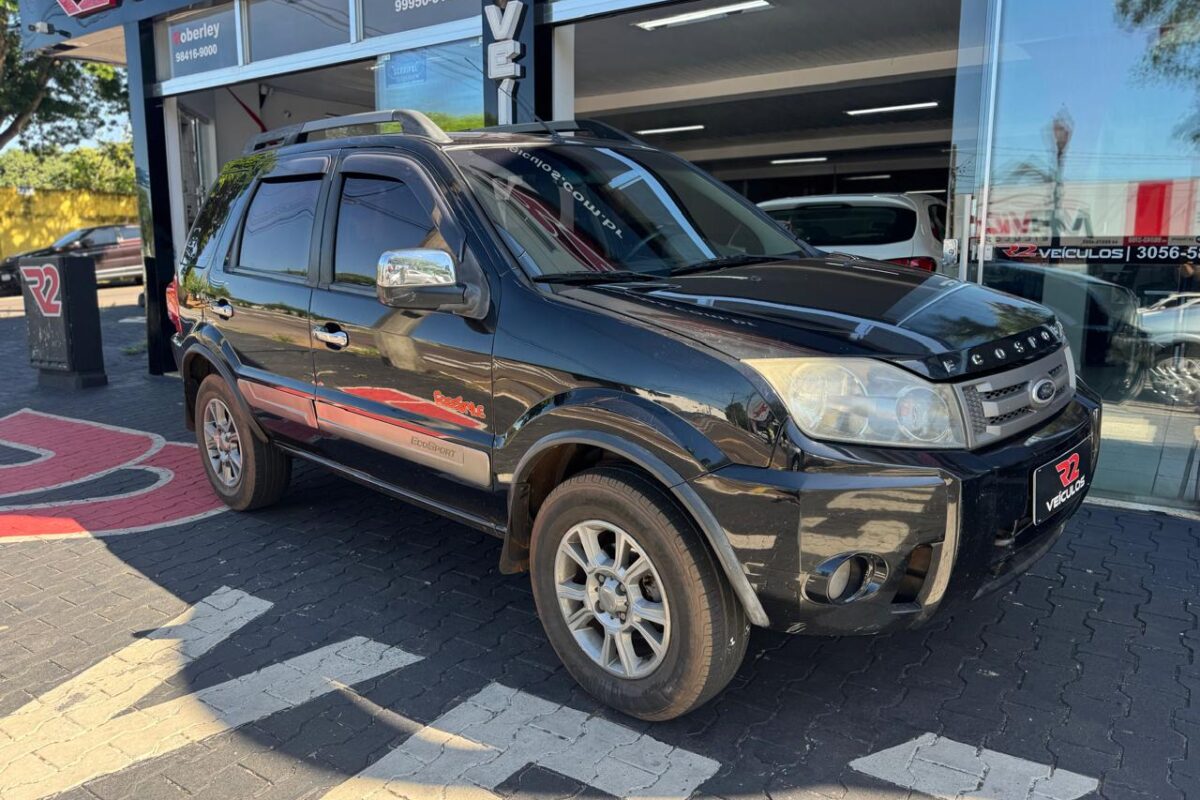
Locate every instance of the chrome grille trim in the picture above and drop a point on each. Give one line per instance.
(1000, 406)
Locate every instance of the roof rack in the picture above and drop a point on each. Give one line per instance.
(412, 123)
(592, 127)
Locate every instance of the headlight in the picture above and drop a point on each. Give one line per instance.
(865, 401)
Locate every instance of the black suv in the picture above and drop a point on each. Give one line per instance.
(680, 419)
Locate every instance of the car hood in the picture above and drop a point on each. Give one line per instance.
(832, 305)
(11, 260)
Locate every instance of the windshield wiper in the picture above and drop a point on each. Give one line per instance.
(585, 276)
(724, 262)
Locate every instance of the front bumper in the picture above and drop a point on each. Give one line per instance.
(970, 513)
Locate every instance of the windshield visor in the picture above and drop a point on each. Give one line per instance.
(578, 208)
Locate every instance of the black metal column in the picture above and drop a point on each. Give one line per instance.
(154, 195)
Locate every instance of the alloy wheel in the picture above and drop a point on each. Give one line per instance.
(222, 443)
(1177, 378)
(612, 599)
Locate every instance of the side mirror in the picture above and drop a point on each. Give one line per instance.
(419, 279)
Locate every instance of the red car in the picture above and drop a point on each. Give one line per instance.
(116, 248)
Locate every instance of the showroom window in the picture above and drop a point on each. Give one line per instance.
(202, 40)
(279, 225)
(445, 81)
(396, 16)
(1091, 208)
(283, 27)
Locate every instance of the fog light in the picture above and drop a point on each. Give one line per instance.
(845, 578)
(839, 581)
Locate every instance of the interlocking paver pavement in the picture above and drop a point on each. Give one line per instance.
(1086, 665)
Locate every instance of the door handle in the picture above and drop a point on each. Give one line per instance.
(221, 308)
(335, 339)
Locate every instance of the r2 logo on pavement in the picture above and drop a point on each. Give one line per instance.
(69, 452)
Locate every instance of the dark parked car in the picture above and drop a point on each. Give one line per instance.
(681, 420)
(116, 248)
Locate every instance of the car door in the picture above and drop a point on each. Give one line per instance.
(128, 252)
(401, 395)
(258, 298)
(99, 245)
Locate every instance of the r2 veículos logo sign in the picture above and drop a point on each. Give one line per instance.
(1068, 469)
(45, 285)
(77, 8)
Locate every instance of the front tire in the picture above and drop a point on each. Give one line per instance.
(631, 598)
(244, 471)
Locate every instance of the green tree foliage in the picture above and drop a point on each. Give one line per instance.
(106, 168)
(51, 101)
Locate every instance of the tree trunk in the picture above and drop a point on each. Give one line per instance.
(23, 117)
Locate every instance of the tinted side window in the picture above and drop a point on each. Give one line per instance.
(279, 226)
(230, 185)
(101, 237)
(842, 224)
(374, 215)
(130, 232)
(937, 220)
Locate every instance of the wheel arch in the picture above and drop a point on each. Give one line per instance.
(198, 363)
(550, 461)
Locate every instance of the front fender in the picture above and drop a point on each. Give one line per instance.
(630, 417)
(666, 452)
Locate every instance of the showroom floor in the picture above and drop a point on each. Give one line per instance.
(345, 645)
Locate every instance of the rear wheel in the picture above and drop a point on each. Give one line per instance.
(245, 472)
(631, 598)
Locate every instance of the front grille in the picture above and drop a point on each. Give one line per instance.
(1002, 405)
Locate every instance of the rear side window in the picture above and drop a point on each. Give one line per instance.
(102, 236)
(842, 224)
(130, 232)
(374, 215)
(937, 220)
(231, 184)
(279, 226)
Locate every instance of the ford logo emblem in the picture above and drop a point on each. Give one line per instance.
(1042, 392)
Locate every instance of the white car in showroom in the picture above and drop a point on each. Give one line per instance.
(901, 228)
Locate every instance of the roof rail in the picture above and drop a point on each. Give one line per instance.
(592, 127)
(412, 123)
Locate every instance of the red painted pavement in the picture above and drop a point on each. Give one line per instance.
(68, 450)
(84, 449)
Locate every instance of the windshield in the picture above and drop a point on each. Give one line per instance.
(568, 208)
(70, 237)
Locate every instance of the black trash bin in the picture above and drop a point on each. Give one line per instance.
(62, 312)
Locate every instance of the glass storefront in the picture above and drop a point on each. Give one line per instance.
(1089, 203)
(283, 27)
(444, 81)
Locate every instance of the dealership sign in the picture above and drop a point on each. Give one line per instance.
(508, 40)
(202, 42)
(77, 8)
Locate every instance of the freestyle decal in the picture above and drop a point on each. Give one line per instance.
(458, 405)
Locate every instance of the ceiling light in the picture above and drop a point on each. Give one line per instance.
(885, 109)
(926, 191)
(676, 129)
(803, 160)
(718, 12)
(867, 177)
